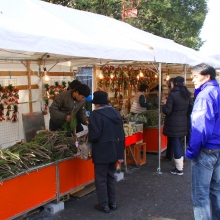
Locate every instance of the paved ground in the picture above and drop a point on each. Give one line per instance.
(142, 194)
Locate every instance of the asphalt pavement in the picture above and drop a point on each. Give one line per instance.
(142, 194)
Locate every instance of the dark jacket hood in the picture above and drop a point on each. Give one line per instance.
(110, 113)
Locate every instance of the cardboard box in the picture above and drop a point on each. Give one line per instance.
(140, 128)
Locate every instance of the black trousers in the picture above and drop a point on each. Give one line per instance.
(105, 183)
(169, 151)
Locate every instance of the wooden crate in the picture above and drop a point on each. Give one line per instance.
(139, 152)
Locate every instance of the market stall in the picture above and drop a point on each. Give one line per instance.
(28, 47)
(40, 36)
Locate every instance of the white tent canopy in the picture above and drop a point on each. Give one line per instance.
(35, 26)
(31, 28)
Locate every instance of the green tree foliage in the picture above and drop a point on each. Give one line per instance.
(179, 20)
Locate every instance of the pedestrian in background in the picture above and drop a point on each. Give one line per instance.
(204, 144)
(139, 102)
(152, 96)
(106, 134)
(176, 125)
(169, 150)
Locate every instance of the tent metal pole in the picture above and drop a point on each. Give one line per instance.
(184, 72)
(159, 117)
(184, 69)
(29, 86)
(52, 67)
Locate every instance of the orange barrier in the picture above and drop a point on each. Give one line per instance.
(74, 173)
(27, 191)
(150, 137)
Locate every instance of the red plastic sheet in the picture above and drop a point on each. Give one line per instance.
(133, 139)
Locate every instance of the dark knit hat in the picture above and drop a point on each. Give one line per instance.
(100, 97)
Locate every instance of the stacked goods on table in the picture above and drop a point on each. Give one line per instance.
(138, 118)
(133, 123)
(45, 148)
(131, 128)
(128, 129)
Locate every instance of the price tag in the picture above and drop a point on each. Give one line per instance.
(77, 143)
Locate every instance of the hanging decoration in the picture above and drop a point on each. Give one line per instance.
(14, 116)
(63, 86)
(9, 96)
(120, 79)
(8, 118)
(51, 91)
(46, 106)
(2, 112)
(121, 101)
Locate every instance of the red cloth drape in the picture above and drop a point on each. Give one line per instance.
(133, 139)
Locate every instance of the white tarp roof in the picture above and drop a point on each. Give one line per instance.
(31, 28)
(215, 56)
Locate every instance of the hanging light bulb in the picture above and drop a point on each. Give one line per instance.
(100, 75)
(138, 77)
(46, 76)
(111, 76)
(141, 73)
(168, 77)
(155, 76)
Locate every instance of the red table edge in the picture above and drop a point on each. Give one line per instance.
(133, 139)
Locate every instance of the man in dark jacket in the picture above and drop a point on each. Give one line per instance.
(106, 134)
(71, 101)
(73, 85)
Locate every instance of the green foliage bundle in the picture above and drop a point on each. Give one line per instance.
(45, 148)
(138, 119)
(152, 118)
(148, 118)
(70, 126)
